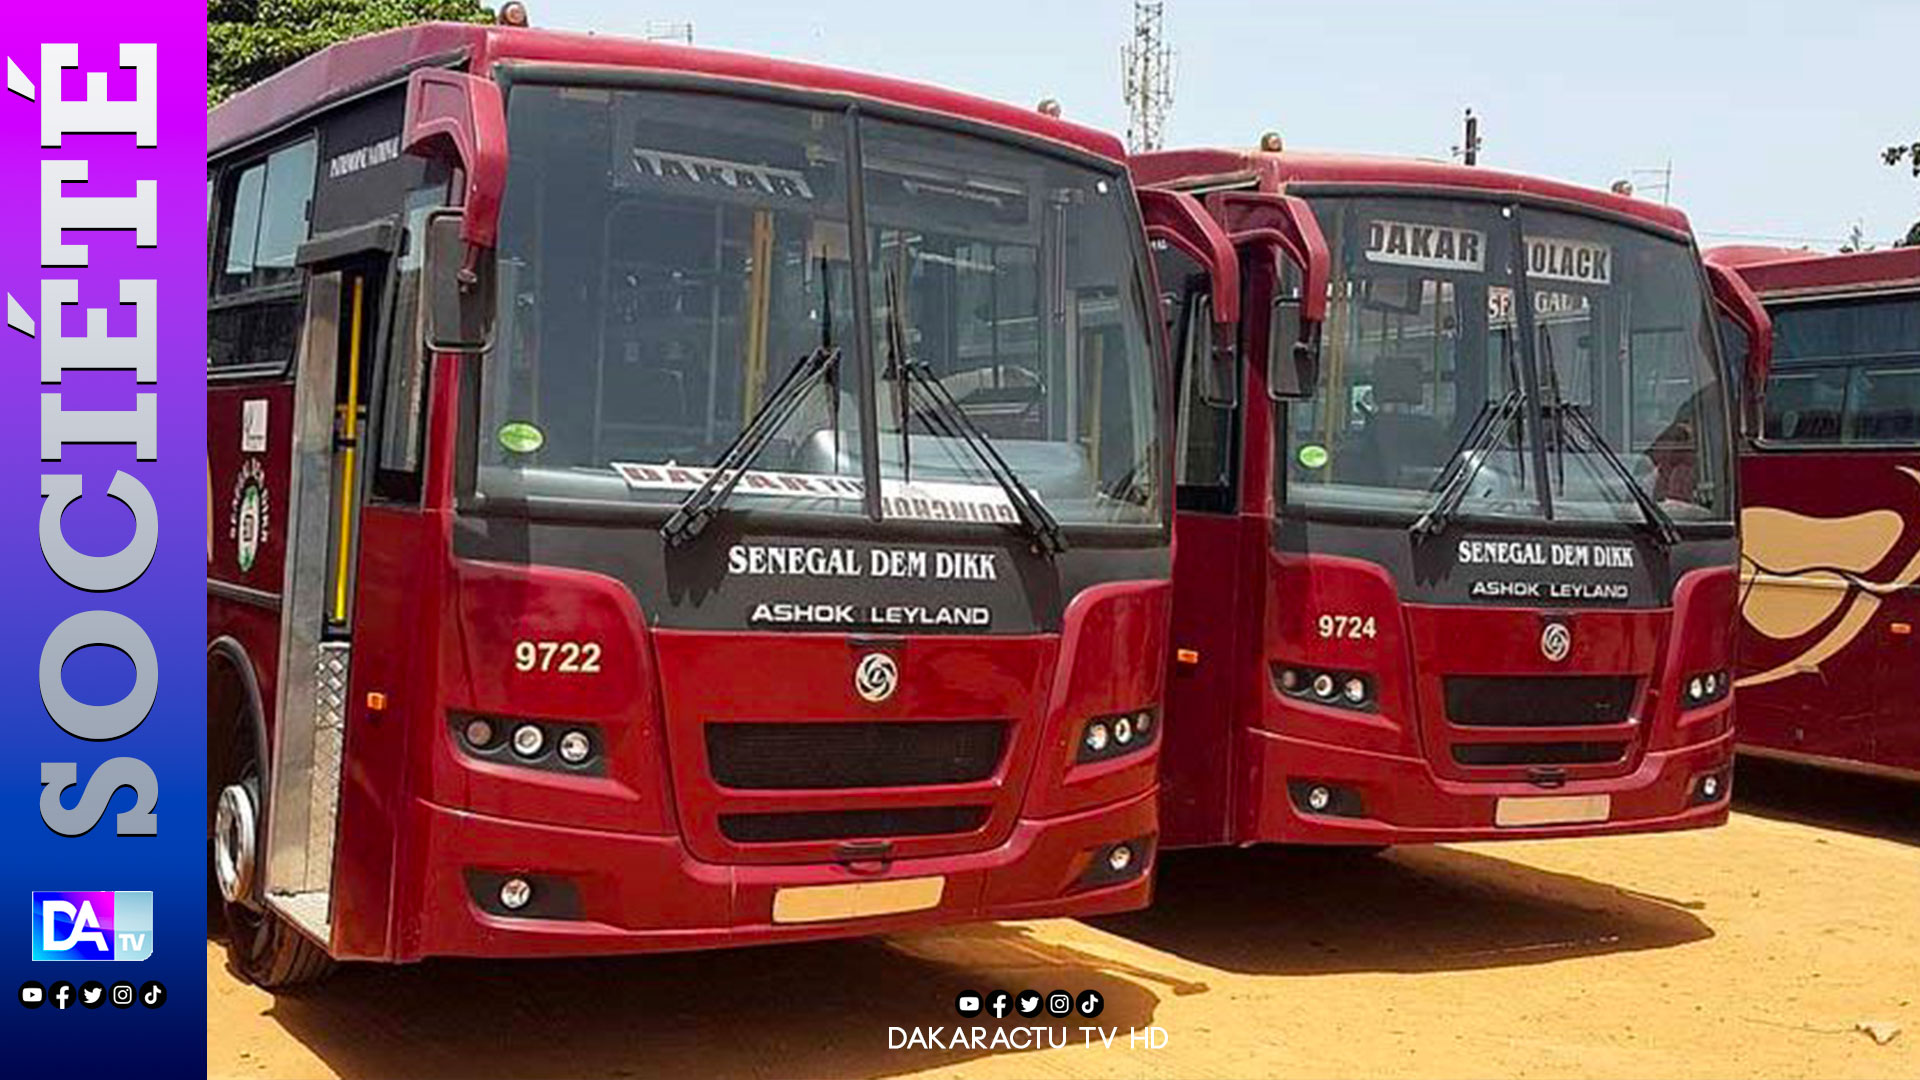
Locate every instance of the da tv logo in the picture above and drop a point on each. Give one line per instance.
(92, 925)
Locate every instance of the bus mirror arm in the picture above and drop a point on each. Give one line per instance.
(1283, 227)
(460, 119)
(1737, 301)
(1179, 219)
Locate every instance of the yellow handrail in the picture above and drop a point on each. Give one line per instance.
(352, 427)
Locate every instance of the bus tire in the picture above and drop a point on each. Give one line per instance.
(261, 947)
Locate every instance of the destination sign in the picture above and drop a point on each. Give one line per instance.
(1580, 261)
(1549, 306)
(1433, 247)
(665, 166)
(916, 500)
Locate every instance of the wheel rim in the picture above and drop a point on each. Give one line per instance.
(234, 838)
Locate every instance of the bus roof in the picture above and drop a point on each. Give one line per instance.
(364, 63)
(1275, 169)
(1772, 271)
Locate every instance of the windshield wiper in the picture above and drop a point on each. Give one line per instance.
(1562, 410)
(1489, 427)
(705, 501)
(945, 414)
(1488, 430)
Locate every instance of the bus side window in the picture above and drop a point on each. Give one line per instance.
(1883, 405)
(1804, 405)
(1203, 466)
(253, 316)
(398, 467)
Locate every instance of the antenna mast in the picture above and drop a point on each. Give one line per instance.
(1146, 64)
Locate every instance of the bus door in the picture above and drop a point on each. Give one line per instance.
(326, 483)
(1196, 765)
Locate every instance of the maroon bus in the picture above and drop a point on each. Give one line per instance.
(1830, 513)
(668, 499)
(1463, 565)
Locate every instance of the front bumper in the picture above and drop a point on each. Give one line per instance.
(638, 893)
(1403, 802)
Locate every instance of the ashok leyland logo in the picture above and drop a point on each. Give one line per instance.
(92, 925)
(876, 677)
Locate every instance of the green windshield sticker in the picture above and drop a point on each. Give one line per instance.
(1313, 456)
(520, 437)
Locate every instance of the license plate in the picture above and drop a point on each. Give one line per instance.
(1552, 810)
(856, 900)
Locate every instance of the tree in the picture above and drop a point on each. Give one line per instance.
(248, 40)
(1910, 153)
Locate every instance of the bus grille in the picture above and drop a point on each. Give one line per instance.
(1546, 753)
(815, 756)
(1516, 701)
(851, 824)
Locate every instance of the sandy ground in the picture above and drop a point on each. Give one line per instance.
(1748, 951)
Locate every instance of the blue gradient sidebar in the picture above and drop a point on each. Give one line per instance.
(103, 386)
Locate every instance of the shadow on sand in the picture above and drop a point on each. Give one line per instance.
(1867, 805)
(817, 1010)
(1306, 911)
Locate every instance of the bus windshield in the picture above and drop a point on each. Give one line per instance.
(1427, 365)
(666, 258)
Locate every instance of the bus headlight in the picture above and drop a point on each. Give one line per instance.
(1355, 690)
(1096, 740)
(1111, 736)
(529, 740)
(574, 747)
(1342, 689)
(1707, 687)
(479, 733)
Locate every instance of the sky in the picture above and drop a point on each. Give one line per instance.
(1772, 115)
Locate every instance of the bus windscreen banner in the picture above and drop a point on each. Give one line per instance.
(916, 500)
(104, 128)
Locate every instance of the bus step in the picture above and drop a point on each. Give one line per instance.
(308, 911)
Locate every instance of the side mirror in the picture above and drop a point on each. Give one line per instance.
(1734, 301)
(1284, 228)
(1293, 352)
(458, 291)
(1216, 368)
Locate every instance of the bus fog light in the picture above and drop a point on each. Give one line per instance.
(1355, 690)
(1290, 681)
(1096, 737)
(528, 740)
(1319, 797)
(1123, 731)
(479, 734)
(1119, 858)
(1710, 788)
(574, 747)
(515, 893)
(1323, 685)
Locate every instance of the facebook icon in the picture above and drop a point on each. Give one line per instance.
(92, 925)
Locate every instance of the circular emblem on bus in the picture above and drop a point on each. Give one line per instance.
(250, 517)
(1556, 641)
(876, 677)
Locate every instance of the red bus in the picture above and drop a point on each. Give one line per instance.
(1830, 513)
(1463, 565)
(666, 498)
